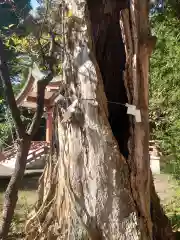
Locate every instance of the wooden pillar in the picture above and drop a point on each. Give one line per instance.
(49, 125)
(2, 157)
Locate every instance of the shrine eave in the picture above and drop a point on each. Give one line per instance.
(28, 96)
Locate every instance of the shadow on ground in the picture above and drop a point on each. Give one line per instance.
(28, 183)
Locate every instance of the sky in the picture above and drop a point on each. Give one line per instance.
(34, 3)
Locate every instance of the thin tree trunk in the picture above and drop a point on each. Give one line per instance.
(11, 195)
(25, 137)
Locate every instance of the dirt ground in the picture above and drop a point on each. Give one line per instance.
(165, 187)
(27, 193)
(26, 201)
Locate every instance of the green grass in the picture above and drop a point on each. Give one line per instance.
(27, 198)
(172, 209)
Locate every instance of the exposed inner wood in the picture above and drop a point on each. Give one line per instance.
(111, 58)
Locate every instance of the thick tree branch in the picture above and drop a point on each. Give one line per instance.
(4, 74)
(41, 86)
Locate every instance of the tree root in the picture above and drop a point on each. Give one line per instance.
(58, 199)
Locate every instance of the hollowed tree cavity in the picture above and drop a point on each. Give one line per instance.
(110, 54)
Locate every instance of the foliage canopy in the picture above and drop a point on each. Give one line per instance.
(165, 85)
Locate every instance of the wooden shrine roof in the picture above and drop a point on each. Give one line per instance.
(27, 97)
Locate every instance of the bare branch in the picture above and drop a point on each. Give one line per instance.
(41, 50)
(52, 44)
(4, 74)
(48, 60)
(41, 85)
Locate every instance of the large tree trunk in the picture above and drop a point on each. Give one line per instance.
(97, 183)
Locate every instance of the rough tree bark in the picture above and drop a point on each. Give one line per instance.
(24, 140)
(97, 182)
